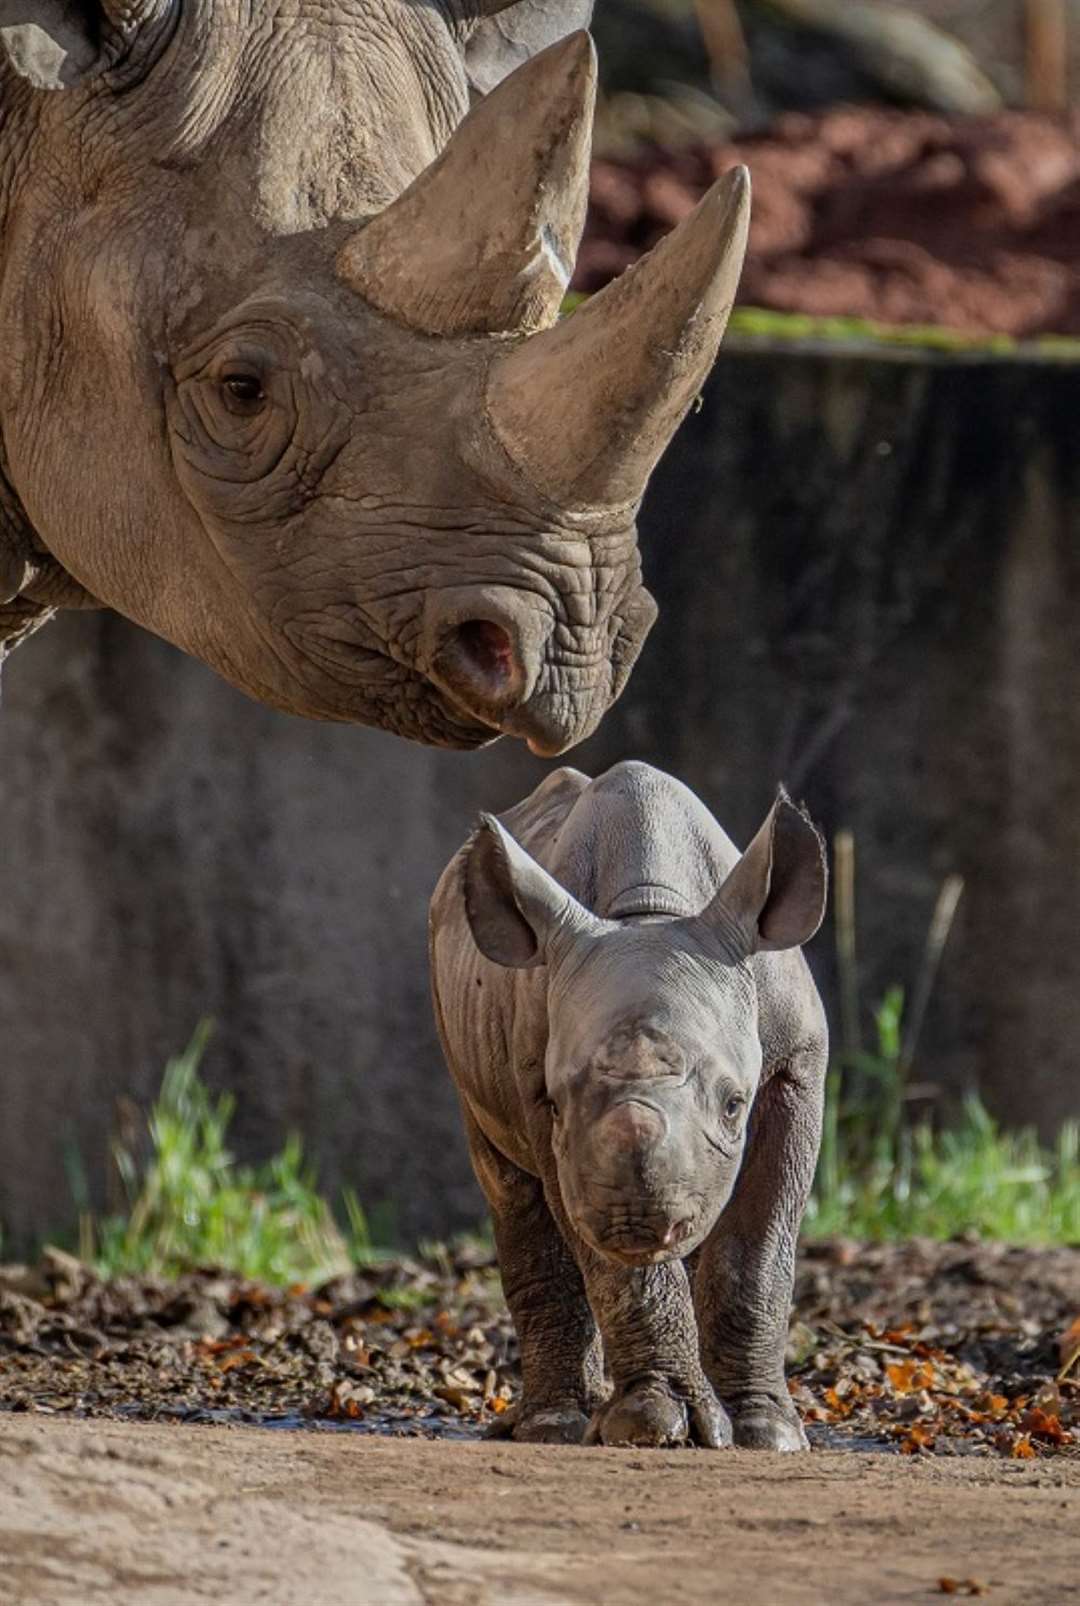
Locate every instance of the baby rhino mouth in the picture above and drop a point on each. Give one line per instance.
(638, 1241)
(634, 1237)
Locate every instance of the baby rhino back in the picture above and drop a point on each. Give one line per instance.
(634, 841)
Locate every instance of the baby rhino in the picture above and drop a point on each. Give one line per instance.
(640, 1053)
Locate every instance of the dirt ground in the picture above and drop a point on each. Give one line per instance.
(207, 1438)
(865, 212)
(144, 1515)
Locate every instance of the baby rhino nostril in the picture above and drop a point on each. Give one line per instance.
(489, 648)
(677, 1233)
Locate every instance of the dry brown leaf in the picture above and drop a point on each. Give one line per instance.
(238, 1357)
(1045, 1426)
(907, 1377)
(1069, 1348)
(961, 1586)
(457, 1397)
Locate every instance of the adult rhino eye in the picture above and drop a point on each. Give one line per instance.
(243, 392)
(733, 1107)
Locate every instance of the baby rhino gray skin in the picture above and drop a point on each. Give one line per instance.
(640, 1053)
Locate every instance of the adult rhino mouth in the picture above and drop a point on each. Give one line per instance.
(350, 682)
(507, 664)
(480, 673)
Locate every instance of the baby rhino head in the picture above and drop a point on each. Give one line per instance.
(653, 1054)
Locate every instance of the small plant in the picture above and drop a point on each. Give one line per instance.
(921, 1182)
(191, 1204)
(887, 1172)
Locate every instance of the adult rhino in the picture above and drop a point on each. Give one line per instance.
(281, 372)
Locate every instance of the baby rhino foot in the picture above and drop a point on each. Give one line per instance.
(660, 1411)
(550, 1424)
(761, 1423)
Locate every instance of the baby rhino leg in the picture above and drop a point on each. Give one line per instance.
(746, 1269)
(560, 1350)
(661, 1395)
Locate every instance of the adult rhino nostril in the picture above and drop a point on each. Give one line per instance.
(488, 648)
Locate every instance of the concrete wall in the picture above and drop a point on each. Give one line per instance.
(869, 574)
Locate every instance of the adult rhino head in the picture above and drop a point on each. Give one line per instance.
(281, 372)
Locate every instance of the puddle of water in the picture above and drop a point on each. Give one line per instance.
(434, 1425)
(823, 1437)
(394, 1424)
(431, 1426)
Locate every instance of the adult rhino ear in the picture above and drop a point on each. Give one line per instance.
(514, 908)
(776, 893)
(59, 44)
(505, 33)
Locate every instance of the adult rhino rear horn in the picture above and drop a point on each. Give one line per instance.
(483, 242)
(587, 408)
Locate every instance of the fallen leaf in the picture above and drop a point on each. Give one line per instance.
(837, 1404)
(907, 1377)
(457, 1397)
(1045, 1426)
(1069, 1348)
(238, 1357)
(916, 1438)
(960, 1586)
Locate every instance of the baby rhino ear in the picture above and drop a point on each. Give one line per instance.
(776, 893)
(514, 907)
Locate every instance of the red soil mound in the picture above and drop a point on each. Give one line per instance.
(900, 217)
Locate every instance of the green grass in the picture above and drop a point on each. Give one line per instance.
(883, 1175)
(191, 1204)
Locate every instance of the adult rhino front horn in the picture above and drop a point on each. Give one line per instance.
(283, 376)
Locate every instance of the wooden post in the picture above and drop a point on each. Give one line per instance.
(725, 42)
(1047, 54)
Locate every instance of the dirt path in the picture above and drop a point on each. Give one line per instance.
(144, 1515)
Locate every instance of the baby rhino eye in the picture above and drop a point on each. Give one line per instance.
(733, 1107)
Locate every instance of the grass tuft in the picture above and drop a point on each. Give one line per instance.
(190, 1203)
(883, 1175)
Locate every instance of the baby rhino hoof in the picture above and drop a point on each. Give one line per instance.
(552, 1427)
(761, 1424)
(555, 1424)
(650, 1414)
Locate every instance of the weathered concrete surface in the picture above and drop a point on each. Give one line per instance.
(869, 577)
(171, 1516)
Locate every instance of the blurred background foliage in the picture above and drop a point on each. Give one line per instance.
(679, 70)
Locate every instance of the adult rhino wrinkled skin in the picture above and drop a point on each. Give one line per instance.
(281, 372)
(640, 1053)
